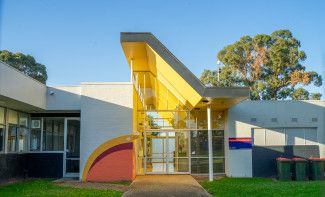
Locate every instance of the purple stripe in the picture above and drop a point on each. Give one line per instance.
(125, 146)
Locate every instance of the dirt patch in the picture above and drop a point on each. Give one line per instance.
(200, 178)
(90, 185)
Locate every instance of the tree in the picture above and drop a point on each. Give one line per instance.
(315, 96)
(25, 64)
(270, 65)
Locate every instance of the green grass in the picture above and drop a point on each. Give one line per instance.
(47, 188)
(263, 187)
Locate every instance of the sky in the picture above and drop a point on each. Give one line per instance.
(79, 41)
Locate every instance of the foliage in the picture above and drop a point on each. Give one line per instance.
(263, 187)
(25, 64)
(270, 65)
(46, 188)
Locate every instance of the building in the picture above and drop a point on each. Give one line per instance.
(164, 121)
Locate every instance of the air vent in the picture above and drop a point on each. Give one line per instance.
(294, 119)
(274, 120)
(253, 120)
(36, 124)
(314, 120)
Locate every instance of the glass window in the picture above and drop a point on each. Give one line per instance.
(2, 128)
(200, 117)
(53, 133)
(218, 165)
(218, 143)
(218, 120)
(199, 143)
(201, 165)
(13, 117)
(22, 139)
(2, 137)
(72, 166)
(23, 120)
(2, 115)
(12, 138)
(35, 135)
(23, 132)
(73, 139)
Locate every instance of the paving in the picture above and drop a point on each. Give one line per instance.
(167, 186)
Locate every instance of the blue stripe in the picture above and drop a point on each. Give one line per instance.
(240, 145)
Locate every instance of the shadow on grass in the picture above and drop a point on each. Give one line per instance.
(263, 187)
(45, 187)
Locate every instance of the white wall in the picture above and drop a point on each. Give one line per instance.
(63, 98)
(239, 162)
(106, 113)
(17, 86)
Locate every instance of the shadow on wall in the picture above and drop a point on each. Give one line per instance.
(106, 114)
(264, 163)
(100, 121)
(275, 117)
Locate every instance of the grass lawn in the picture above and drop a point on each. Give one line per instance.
(47, 188)
(263, 187)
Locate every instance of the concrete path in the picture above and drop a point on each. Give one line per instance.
(167, 186)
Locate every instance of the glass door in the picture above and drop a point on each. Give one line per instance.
(166, 153)
(156, 146)
(72, 147)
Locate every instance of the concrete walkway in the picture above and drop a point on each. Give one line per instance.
(167, 186)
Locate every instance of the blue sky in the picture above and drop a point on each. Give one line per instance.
(78, 41)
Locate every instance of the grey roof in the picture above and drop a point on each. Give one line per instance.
(182, 70)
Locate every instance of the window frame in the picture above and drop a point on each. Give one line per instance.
(42, 135)
(4, 127)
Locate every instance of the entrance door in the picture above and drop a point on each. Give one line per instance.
(72, 147)
(166, 153)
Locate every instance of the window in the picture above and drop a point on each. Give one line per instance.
(200, 151)
(23, 132)
(2, 128)
(12, 138)
(53, 134)
(2, 137)
(314, 119)
(218, 143)
(35, 135)
(274, 120)
(13, 117)
(2, 116)
(12, 143)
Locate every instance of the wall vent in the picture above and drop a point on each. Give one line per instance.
(294, 119)
(274, 120)
(314, 120)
